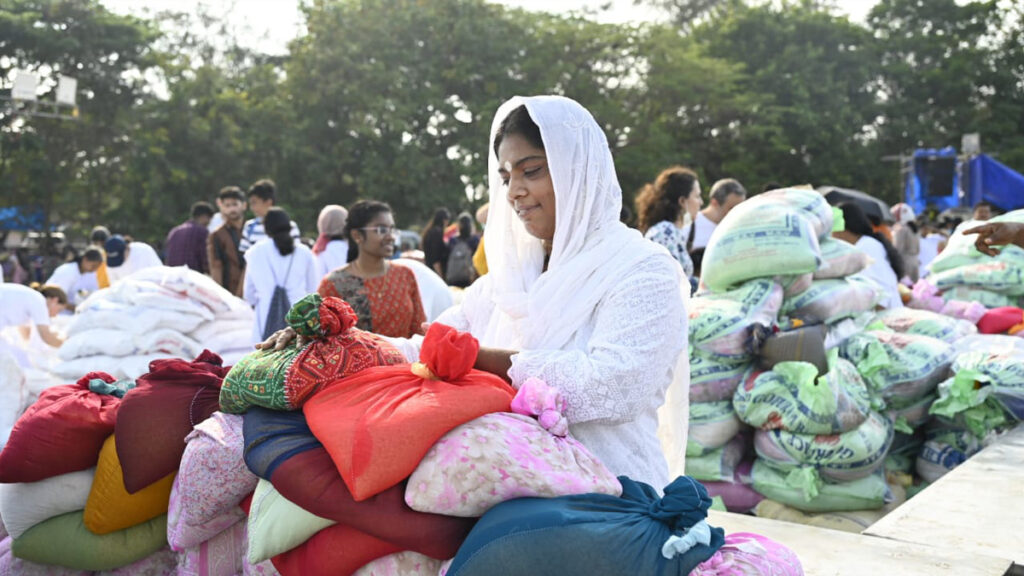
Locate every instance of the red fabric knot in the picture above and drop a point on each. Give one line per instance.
(448, 353)
(336, 317)
(83, 382)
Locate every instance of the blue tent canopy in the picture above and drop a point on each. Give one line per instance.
(22, 218)
(934, 180)
(994, 182)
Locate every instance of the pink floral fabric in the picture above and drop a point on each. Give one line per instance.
(401, 564)
(745, 554)
(221, 555)
(535, 398)
(502, 456)
(211, 481)
(161, 563)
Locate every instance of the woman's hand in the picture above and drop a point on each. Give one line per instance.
(281, 339)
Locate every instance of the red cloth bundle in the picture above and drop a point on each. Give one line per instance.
(378, 424)
(62, 432)
(160, 411)
(310, 480)
(1000, 320)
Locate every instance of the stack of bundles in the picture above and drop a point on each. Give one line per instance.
(902, 371)
(63, 500)
(984, 397)
(155, 313)
(636, 533)
(725, 332)
(820, 446)
(963, 273)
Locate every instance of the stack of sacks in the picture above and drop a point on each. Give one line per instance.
(902, 371)
(637, 533)
(725, 332)
(962, 273)
(855, 521)
(52, 495)
(152, 314)
(984, 397)
(817, 438)
(326, 530)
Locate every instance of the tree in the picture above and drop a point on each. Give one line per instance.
(68, 168)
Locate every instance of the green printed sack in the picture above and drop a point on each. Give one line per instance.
(729, 325)
(712, 380)
(840, 457)
(712, 425)
(1002, 372)
(925, 323)
(908, 415)
(898, 366)
(792, 397)
(960, 250)
(993, 275)
(719, 465)
(771, 234)
(986, 298)
(840, 259)
(829, 301)
(868, 493)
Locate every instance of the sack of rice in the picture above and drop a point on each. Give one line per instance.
(840, 457)
(829, 301)
(994, 276)
(719, 465)
(771, 234)
(712, 425)
(794, 398)
(903, 366)
(960, 250)
(730, 325)
(986, 298)
(925, 323)
(868, 493)
(712, 379)
(841, 259)
(943, 450)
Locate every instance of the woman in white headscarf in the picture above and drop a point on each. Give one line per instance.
(576, 298)
(906, 240)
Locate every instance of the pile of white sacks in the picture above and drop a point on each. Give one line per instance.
(158, 312)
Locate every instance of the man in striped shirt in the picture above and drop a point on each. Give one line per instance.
(262, 195)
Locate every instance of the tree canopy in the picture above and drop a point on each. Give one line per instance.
(393, 99)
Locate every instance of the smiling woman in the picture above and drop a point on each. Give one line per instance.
(383, 294)
(574, 297)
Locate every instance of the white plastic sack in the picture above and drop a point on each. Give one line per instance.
(840, 259)
(771, 234)
(725, 325)
(712, 425)
(27, 504)
(829, 301)
(106, 341)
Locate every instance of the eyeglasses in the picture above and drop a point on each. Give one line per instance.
(381, 230)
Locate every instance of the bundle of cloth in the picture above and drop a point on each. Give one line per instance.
(156, 313)
(974, 281)
(983, 397)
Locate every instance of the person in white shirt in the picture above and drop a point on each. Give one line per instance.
(124, 258)
(277, 261)
(78, 278)
(574, 297)
(26, 307)
(886, 267)
(331, 248)
(725, 195)
(262, 197)
(434, 293)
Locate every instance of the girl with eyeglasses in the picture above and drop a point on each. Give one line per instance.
(383, 294)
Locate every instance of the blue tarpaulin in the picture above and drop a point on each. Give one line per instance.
(21, 218)
(994, 182)
(933, 180)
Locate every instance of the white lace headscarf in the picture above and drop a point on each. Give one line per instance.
(591, 251)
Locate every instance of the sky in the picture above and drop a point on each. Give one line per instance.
(272, 23)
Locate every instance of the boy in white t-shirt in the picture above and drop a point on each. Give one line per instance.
(23, 307)
(124, 258)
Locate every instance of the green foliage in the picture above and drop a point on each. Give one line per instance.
(394, 99)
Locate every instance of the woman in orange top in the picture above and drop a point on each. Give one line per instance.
(383, 294)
